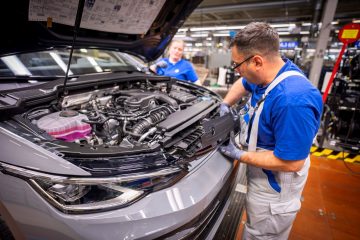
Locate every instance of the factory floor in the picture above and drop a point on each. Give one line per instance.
(331, 202)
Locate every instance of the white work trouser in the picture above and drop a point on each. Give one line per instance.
(273, 197)
(270, 214)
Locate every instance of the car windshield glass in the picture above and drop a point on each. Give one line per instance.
(54, 63)
(26, 69)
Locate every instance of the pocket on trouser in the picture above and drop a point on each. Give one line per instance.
(258, 218)
(270, 221)
(282, 218)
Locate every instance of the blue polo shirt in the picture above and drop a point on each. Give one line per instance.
(291, 115)
(182, 70)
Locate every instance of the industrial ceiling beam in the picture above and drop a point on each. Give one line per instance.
(248, 6)
(297, 18)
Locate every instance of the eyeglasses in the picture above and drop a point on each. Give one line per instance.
(236, 65)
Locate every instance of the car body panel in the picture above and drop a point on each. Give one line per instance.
(21, 152)
(179, 203)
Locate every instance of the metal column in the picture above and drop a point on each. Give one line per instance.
(322, 41)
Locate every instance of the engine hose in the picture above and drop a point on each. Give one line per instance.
(155, 117)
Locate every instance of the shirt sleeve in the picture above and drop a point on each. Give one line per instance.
(246, 85)
(294, 130)
(191, 74)
(160, 71)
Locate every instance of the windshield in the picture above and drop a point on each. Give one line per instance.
(54, 63)
(26, 69)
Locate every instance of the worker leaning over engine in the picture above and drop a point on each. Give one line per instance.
(284, 119)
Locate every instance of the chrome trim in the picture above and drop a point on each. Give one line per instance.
(22, 172)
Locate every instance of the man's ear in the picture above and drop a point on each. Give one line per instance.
(259, 61)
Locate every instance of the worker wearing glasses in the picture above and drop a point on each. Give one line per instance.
(284, 119)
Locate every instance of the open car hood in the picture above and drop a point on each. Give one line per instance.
(142, 28)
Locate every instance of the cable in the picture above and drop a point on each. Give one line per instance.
(347, 165)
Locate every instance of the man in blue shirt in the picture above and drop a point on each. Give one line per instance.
(175, 66)
(284, 119)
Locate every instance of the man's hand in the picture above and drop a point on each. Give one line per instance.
(224, 109)
(231, 150)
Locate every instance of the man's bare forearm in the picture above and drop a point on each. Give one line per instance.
(269, 161)
(236, 92)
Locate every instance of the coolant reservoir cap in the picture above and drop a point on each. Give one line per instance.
(68, 113)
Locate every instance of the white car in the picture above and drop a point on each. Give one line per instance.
(98, 148)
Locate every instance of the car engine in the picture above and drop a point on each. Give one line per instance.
(128, 119)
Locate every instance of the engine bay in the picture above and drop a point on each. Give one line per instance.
(133, 118)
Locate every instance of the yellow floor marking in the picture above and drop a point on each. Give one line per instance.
(324, 152)
(338, 156)
(351, 160)
(313, 149)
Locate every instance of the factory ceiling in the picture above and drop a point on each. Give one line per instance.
(241, 12)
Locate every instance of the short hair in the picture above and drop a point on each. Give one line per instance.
(257, 38)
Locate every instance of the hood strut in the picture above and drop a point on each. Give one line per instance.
(76, 29)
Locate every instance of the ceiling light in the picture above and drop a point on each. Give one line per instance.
(182, 29)
(199, 35)
(356, 21)
(222, 34)
(306, 24)
(15, 65)
(283, 33)
(179, 36)
(283, 25)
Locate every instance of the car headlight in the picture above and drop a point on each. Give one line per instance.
(87, 194)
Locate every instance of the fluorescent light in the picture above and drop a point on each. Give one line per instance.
(179, 36)
(188, 44)
(306, 24)
(199, 35)
(283, 33)
(221, 34)
(60, 62)
(209, 38)
(283, 25)
(15, 65)
(198, 44)
(356, 21)
(94, 63)
(183, 29)
(335, 22)
(288, 33)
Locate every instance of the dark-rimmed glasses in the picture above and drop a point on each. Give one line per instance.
(236, 65)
